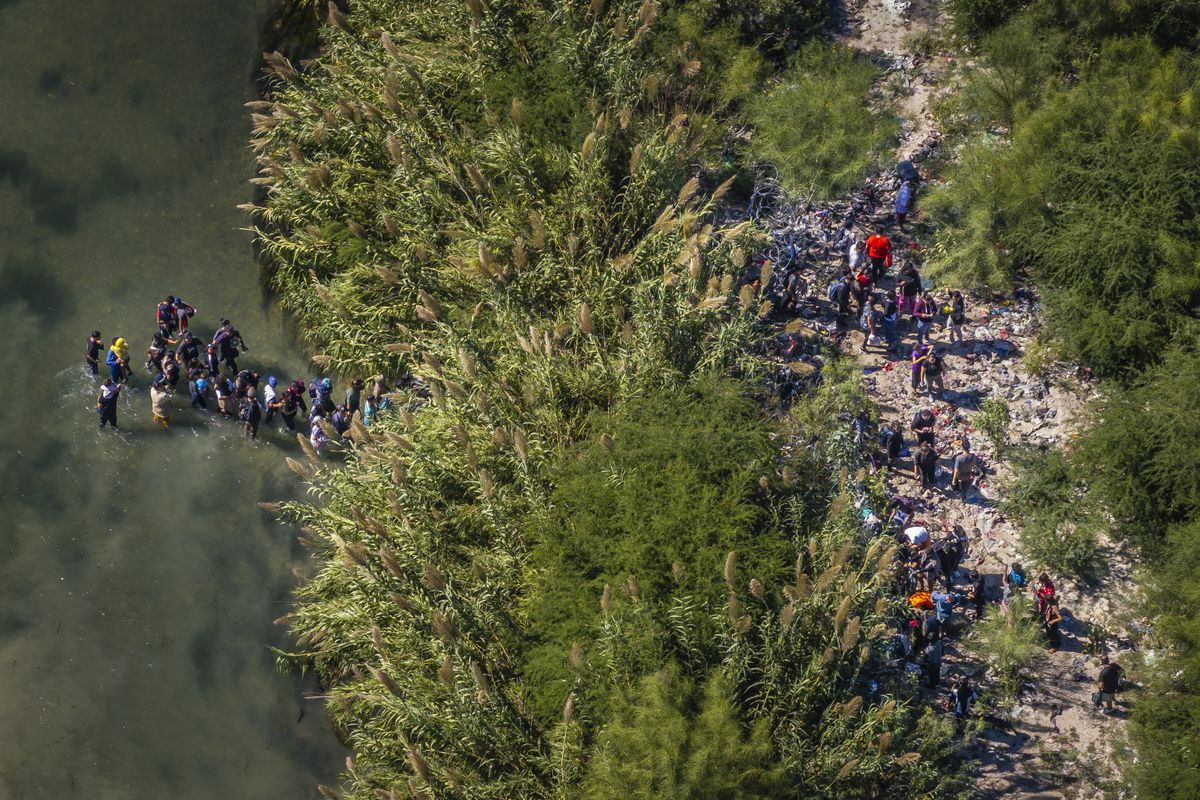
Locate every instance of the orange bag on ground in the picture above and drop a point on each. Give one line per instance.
(920, 600)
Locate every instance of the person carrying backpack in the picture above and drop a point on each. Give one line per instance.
(904, 199)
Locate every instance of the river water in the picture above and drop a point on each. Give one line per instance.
(138, 581)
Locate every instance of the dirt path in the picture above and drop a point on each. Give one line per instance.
(1051, 742)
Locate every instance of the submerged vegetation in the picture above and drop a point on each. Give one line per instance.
(580, 558)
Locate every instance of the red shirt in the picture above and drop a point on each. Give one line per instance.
(880, 247)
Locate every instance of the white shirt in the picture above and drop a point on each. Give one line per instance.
(917, 535)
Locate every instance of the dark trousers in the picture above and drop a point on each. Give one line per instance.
(108, 416)
(878, 268)
(92, 365)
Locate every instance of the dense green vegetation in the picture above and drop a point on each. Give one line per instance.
(818, 124)
(580, 561)
(1087, 185)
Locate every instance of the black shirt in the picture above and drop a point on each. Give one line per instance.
(1110, 678)
(93, 348)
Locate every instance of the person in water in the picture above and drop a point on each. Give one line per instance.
(251, 413)
(183, 313)
(160, 403)
(268, 398)
(199, 390)
(91, 353)
(227, 341)
(118, 360)
(164, 315)
(106, 402)
(188, 349)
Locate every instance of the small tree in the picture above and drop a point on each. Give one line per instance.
(1008, 640)
(992, 421)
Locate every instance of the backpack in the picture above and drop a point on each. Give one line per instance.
(832, 291)
(1016, 578)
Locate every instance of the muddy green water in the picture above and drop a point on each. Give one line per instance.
(138, 581)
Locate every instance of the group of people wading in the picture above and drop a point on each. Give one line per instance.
(214, 377)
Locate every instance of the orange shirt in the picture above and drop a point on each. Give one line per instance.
(880, 247)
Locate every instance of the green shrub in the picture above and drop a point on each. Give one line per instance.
(992, 421)
(1058, 523)
(974, 18)
(1142, 454)
(1167, 719)
(669, 479)
(818, 125)
(1008, 641)
(669, 739)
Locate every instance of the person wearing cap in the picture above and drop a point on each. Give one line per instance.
(321, 392)
(160, 403)
(199, 389)
(91, 353)
(251, 413)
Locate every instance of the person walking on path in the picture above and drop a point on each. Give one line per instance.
(1108, 684)
(956, 317)
(891, 311)
(879, 253)
(922, 425)
(106, 402)
(933, 663)
(923, 311)
(91, 353)
(920, 355)
(1051, 618)
(160, 403)
(963, 694)
(925, 466)
(910, 288)
(904, 199)
(933, 369)
(963, 473)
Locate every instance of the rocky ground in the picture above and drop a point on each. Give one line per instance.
(1051, 742)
